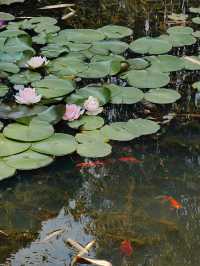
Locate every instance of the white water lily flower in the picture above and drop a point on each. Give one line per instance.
(92, 106)
(27, 96)
(37, 62)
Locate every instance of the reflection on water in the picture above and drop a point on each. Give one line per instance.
(115, 201)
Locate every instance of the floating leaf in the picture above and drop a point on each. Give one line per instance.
(3, 90)
(6, 16)
(196, 85)
(191, 62)
(53, 50)
(115, 32)
(28, 160)
(8, 2)
(124, 95)
(93, 261)
(25, 77)
(180, 30)
(5, 170)
(147, 45)
(196, 34)
(91, 136)
(9, 67)
(142, 126)
(196, 20)
(177, 17)
(138, 63)
(105, 47)
(53, 87)
(94, 149)
(35, 131)
(146, 79)
(10, 147)
(179, 39)
(81, 35)
(165, 63)
(195, 10)
(162, 96)
(87, 123)
(53, 114)
(59, 144)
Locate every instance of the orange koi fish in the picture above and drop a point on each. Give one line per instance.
(173, 202)
(129, 159)
(89, 164)
(126, 248)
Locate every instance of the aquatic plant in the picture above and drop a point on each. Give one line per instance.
(74, 75)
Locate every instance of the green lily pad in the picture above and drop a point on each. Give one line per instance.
(162, 96)
(3, 90)
(10, 147)
(178, 17)
(6, 16)
(53, 50)
(196, 20)
(43, 19)
(105, 47)
(81, 35)
(117, 131)
(11, 57)
(9, 67)
(180, 30)
(87, 123)
(115, 32)
(147, 45)
(179, 39)
(35, 131)
(18, 44)
(100, 92)
(142, 127)
(12, 33)
(53, 87)
(94, 149)
(24, 77)
(59, 145)
(1, 125)
(8, 2)
(195, 10)
(53, 114)
(5, 170)
(165, 63)
(138, 63)
(28, 160)
(191, 62)
(125, 95)
(20, 111)
(146, 79)
(196, 34)
(91, 136)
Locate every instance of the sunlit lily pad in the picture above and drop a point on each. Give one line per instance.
(104, 47)
(138, 63)
(180, 30)
(91, 136)
(165, 63)
(3, 90)
(94, 149)
(87, 123)
(178, 17)
(196, 20)
(6, 16)
(52, 87)
(195, 10)
(28, 160)
(81, 35)
(10, 147)
(191, 62)
(59, 144)
(146, 79)
(196, 34)
(5, 170)
(142, 127)
(35, 131)
(116, 32)
(179, 39)
(162, 96)
(147, 45)
(124, 95)
(196, 85)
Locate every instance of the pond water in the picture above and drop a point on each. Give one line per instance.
(118, 199)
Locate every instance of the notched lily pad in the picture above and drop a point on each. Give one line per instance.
(6, 171)
(162, 96)
(94, 149)
(87, 123)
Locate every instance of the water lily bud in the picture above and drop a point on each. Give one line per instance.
(27, 96)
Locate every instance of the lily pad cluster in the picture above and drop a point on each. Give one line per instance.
(75, 70)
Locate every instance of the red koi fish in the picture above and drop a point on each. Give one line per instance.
(89, 164)
(173, 202)
(126, 248)
(130, 159)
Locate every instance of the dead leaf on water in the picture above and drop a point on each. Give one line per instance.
(192, 60)
(93, 261)
(3, 233)
(53, 234)
(69, 15)
(76, 245)
(56, 6)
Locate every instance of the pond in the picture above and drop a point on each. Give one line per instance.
(141, 203)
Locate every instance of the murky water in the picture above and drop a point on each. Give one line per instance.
(115, 201)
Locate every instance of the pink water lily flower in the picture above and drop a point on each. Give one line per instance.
(92, 106)
(72, 112)
(2, 23)
(27, 96)
(37, 62)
